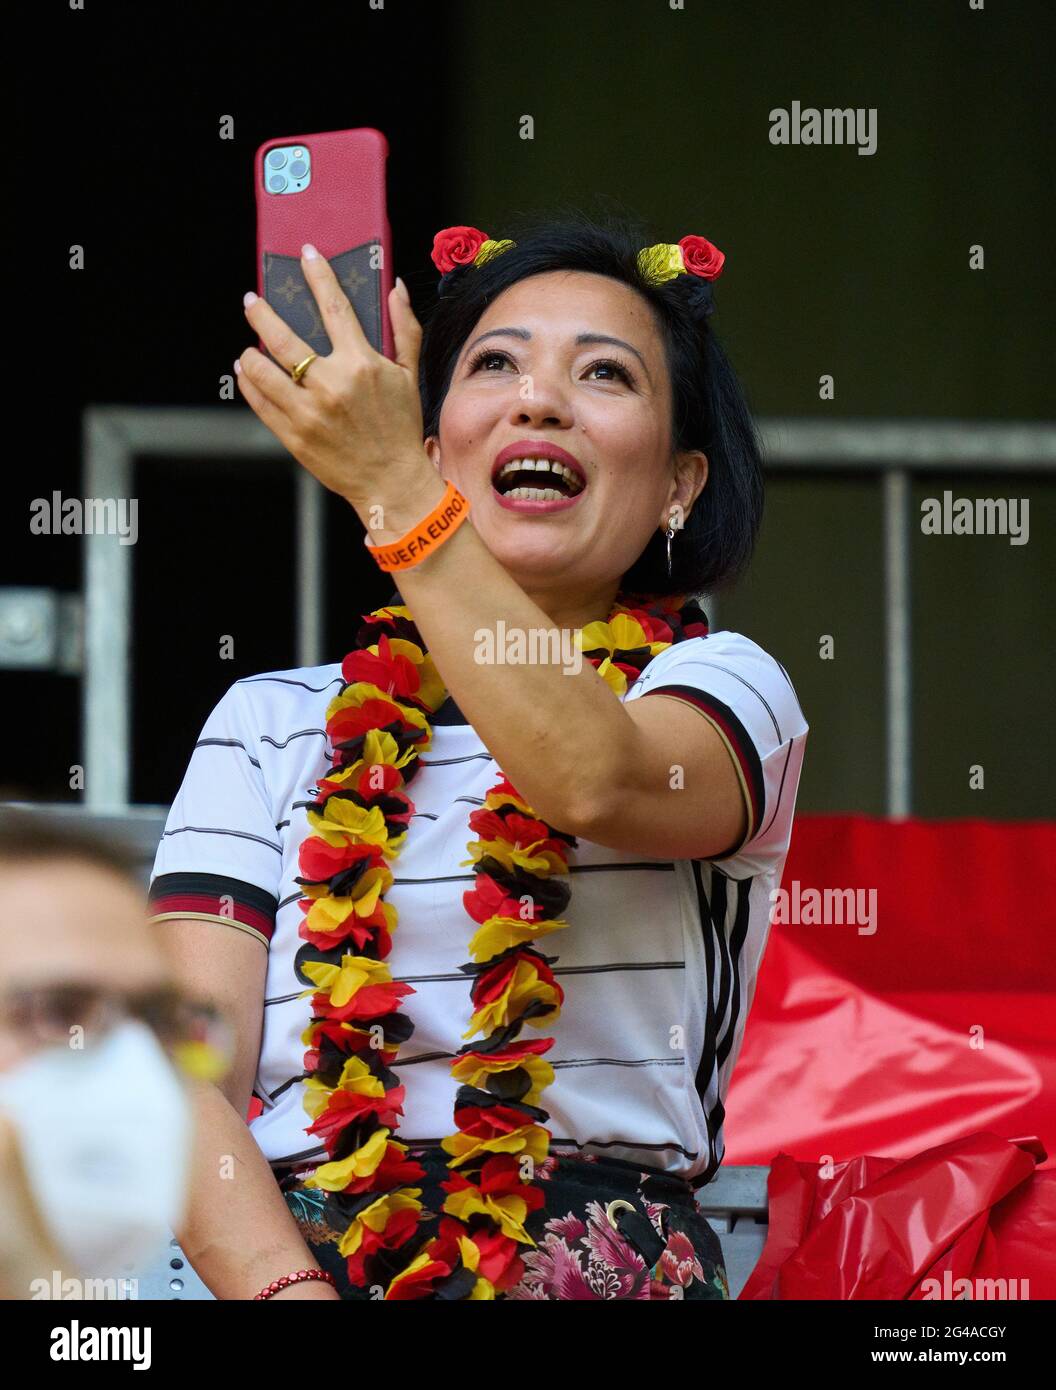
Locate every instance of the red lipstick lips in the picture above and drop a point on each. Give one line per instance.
(537, 449)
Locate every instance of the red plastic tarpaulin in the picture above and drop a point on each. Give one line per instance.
(969, 1219)
(925, 1020)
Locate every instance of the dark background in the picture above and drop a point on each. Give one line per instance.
(837, 263)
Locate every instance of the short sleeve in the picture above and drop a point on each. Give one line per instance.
(747, 697)
(220, 857)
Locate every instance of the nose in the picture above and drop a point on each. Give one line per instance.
(540, 401)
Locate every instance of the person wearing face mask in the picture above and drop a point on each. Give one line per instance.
(96, 1118)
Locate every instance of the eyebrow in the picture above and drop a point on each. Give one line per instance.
(580, 340)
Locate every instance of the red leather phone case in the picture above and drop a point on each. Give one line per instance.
(343, 214)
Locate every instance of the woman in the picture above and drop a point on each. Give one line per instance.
(465, 793)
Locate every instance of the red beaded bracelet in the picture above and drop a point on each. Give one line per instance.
(288, 1279)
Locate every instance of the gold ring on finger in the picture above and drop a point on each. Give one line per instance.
(301, 367)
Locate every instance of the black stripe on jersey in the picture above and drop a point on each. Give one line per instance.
(219, 885)
(217, 830)
(706, 1064)
(468, 878)
(780, 788)
(455, 978)
(716, 1048)
(483, 756)
(748, 686)
(556, 1064)
(719, 895)
(299, 733)
(306, 1155)
(740, 933)
(287, 680)
(227, 743)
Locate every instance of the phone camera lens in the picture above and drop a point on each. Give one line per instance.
(276, 183)
(298, 169)
(276, 159)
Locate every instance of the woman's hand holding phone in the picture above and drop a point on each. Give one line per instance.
(354, 419)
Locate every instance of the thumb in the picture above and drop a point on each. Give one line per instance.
(406, 330)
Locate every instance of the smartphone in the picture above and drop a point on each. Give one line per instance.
(327, 189)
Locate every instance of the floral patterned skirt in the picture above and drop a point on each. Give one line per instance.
(608, 1229)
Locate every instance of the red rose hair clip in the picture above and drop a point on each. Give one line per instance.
(456, 249)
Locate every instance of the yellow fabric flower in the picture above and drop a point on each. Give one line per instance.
(376, 1216)
(524, 987)
(344, 980)
(335, 1177)
(494, 800)
(661, 262)
(356, 1078)
(546, 862)
(508, 1212)
(528, 1139)
(374, 739)
(482, 1289)
(342, 822)
(490, 249)
(327, 913)
(470, 1071)
(613, 677)
(623, 633)
(499, 933)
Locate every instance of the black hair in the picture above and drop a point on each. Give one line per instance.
(31, 835)
(709, 410)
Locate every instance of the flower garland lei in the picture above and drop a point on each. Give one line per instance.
(378, 727)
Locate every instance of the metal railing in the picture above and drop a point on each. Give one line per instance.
(116, 438)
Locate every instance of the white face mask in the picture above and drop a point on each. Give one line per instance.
(105, 1136)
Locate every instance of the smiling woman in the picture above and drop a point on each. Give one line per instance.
(566, 450)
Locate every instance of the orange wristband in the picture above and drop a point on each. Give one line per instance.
(412, 547)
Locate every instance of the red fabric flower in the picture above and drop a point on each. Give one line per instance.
(394, 1170)
(489, 899)
(444, 1258)
(500, 1176)
(512, 1052)
(390, 671)
(499, 1260)
(353, 721)
(346, 1043)
(701, 257)
(399, 1228)
(319, 862)
(385, 779)
(490, 984)
(654, 627)
(361, 931)
(349, 1107)
(486, 1122)
(456, 246)
(367, 1002)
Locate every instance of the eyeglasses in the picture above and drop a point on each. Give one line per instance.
(198, 1036)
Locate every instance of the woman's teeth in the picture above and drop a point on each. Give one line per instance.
(536, 494)
(568, 477)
